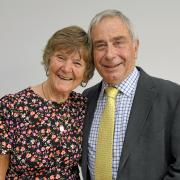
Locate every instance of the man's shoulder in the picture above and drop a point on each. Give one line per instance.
(166, 85)
(93, 89)
(162, 85)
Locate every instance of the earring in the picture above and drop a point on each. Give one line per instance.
(83, 84)
(47, 72)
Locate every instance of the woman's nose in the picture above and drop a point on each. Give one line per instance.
(67, 66)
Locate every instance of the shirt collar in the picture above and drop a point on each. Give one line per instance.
(128, 86)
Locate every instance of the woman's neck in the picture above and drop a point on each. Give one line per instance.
(50, 93)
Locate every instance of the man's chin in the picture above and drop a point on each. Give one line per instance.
(112, 81)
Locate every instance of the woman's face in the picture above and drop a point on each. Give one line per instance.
(66, 71)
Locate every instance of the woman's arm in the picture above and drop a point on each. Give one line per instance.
(4, 163)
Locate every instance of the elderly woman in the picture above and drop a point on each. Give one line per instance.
(41, 126)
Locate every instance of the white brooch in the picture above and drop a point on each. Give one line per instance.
(61, 128)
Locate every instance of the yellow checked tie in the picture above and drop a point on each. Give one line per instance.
(104, 147)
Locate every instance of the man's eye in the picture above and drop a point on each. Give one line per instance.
(99, 46)
(119, 43)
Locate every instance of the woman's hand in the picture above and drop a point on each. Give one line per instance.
(4, 163)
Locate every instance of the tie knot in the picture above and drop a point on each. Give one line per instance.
(111, 91)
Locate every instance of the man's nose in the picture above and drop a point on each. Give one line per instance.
(110, 53)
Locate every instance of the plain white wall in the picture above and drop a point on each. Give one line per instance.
(25, 27)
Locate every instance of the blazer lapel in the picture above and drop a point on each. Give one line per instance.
(92, 96)
(143, 100)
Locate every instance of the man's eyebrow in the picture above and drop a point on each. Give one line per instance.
(98, 41)
(118, 38)
(112, 39)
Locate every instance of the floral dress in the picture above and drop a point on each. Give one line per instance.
(42, 137)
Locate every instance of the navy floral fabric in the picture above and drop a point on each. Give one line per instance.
(42, 137)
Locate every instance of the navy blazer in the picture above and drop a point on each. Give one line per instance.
(151, 149)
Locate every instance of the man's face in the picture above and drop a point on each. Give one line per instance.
(114, 50)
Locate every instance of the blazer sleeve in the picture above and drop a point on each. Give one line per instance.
(173, 172)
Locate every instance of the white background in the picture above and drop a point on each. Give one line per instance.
(26, 25)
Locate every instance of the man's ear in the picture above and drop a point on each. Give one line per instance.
(136, 47)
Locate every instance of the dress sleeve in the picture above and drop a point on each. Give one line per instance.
(6, 126)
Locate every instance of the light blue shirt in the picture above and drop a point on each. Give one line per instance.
(124, 102)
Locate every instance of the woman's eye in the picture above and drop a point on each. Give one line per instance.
(60, 57)
(77, 63)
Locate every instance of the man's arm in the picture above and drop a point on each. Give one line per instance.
(174, 168)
